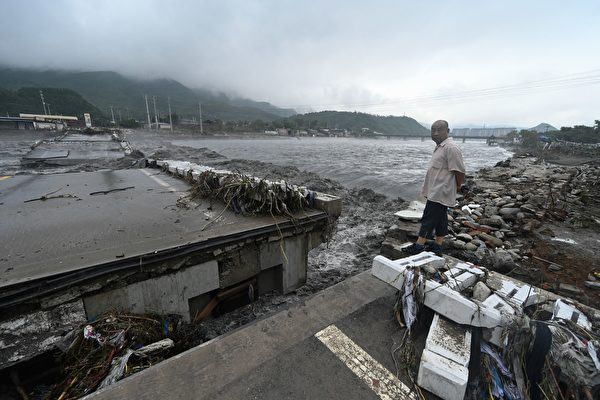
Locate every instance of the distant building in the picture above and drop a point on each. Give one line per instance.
(51, 122)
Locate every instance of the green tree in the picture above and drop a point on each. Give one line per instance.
(529, 139)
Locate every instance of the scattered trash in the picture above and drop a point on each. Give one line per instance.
(569, 241)
(414, 287)
(113, 346)
(48, 196)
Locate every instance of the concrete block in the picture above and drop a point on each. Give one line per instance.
(519, 294)
(442, 377)
(450, 340)
(440, 298)
(495, 302)
(332, 205)
(166, 294)
(462, 281)
(472, 268)
(422, 259)
(414, 212)
(388, 271)
(563, 310)
(451, 304)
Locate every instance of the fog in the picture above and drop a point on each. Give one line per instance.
(468, 62)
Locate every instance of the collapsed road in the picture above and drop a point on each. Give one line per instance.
(77, 245)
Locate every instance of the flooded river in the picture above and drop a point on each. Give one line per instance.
(393, 167)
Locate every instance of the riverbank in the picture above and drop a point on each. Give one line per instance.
(532, 220)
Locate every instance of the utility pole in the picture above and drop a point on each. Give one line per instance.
(48, 107)
(43, 103)
(200, 109)
(170, 119)
(113, 115)
(155, 113)
(148, 112)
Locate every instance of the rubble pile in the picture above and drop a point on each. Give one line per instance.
(492, 336)
(515, 218)
(113, 346)
(573, 148)
(508, 202)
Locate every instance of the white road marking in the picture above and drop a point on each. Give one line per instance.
(158, 180)
(385, 384)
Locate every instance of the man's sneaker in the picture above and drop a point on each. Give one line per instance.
(434, 248)
(413, 249)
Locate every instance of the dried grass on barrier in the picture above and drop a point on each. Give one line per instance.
(252, 196)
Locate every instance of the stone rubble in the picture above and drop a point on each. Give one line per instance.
(508, 207)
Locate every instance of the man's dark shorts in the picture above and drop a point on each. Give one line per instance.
(435, 219)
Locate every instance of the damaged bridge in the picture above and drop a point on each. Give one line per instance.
(77, 245)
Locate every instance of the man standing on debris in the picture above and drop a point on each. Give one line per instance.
(444, 179)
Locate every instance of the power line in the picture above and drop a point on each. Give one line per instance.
(591, 77)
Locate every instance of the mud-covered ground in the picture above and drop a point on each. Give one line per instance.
(565, 235)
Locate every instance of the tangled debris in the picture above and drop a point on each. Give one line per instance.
(114, 346)
(520, 342)
(252, 196)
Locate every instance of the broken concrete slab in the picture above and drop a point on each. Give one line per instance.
(462, 281)
(451, 304)
(413, 213)
(392, 272)
(388, 271)
(566, 311)
(495, 302)
(440, 298)
(520, 293)
(29, 335)
(450, 340)
(442, 376)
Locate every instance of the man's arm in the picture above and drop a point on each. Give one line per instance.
(460, 179)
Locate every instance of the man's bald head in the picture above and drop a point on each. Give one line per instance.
(439, 131)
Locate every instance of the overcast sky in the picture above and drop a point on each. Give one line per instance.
(470, 62)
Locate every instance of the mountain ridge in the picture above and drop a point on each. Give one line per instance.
(126, 95)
